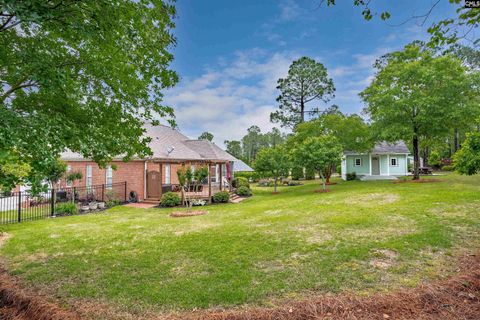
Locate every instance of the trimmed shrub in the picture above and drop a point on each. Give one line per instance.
(221, 197)
(351, 176)
(251, 176)
(240, 182)
(297, 173)
(244, 191)
(170, 199)
(309, 174)
(448, 168)
(66, 208)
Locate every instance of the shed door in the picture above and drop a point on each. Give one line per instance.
(375, 166)
(153, 184)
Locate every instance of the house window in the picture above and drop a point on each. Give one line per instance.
(394, 162)
(193, 168)
(109, 177)
(69, 169)
(358, 162)
(167, 174)
(89, 176)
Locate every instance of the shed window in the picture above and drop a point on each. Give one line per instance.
(358, 162)
(109, 177)
(394, 162)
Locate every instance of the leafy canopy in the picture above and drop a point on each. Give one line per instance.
(206, 136)
(272, 162)
(307, 81)
(82, 75)
(467, 159)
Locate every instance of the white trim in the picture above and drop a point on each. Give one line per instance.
(168, 174)
(388, 164)
(370, 157)
(406, 164)
(145, 168)
(396, 162)
(89, 176)
(355, 162)
(109, 170)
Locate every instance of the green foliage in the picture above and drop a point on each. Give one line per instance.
(319, 154)
(307, 81)
(74, 176)
(206, 136)
(250, 175)
(448, 168)
(418, 96)
(273, 163)
(467, 159)
(297, 173)
(434, 160)
(170, 199)
(309, 173)
(84, 76)
(351, 176)
(66, 208)
(234, 147)
(244, 191)
(12, 170)
(221, 197)
(240, 182)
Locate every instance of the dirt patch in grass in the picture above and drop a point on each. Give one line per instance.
(179, 214)
(322, 191)
(384, 258)
(373, 199)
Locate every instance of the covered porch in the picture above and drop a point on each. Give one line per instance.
(161, 177)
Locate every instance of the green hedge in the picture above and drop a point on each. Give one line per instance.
(251, 176)
(448, 168)
(170, 199)
(66, 208)
(221, 197)
(244, 191)
(240, 182)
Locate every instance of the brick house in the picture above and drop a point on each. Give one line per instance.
(150, 178)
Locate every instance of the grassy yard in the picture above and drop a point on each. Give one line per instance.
(362, 237)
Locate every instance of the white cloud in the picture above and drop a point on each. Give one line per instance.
(231, 97)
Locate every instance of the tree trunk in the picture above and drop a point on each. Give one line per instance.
(416, 158)
(324, 186)
(275, 185)
(302, 110)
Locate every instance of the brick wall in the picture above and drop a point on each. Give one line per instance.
(132, 172)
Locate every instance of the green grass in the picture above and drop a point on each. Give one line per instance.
(267, 247)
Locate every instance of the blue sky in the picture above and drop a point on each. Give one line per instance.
(230, 54)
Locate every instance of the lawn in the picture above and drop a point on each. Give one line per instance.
(361, 237)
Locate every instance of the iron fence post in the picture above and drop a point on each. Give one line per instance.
(52, 200)
(73, 194)
(19, 206)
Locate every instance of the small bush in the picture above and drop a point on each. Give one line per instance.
(240, 182)
(170, 199)
(251, 176)
(221, 197)
(198, 202)
(351, 176)
(66, 208)
(244, 191)
(448, 168)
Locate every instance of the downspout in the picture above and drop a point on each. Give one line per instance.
(145, 180)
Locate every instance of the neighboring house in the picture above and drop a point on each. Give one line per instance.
(240, 166)
(383, 161)
(152, 177)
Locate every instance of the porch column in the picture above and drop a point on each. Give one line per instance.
(388, 164)
(221, 179)
(209, 183)
(161, 179)
(370, 159)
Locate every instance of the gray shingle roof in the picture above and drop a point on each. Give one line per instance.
(165, 139)
(386, 148)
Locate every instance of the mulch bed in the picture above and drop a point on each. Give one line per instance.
(179, 214)
(416, 181)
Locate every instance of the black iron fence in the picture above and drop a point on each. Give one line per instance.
(25, 206)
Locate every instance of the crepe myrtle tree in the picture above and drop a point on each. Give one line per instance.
(273, 162)
(467, 159)
(190, 179)
(319, 153)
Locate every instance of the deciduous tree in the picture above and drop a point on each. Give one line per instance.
(206, 136)
(273, 162)
(467, 159)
